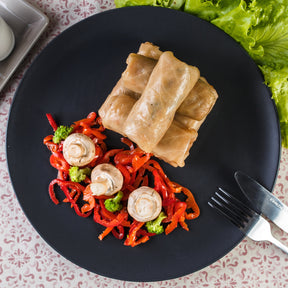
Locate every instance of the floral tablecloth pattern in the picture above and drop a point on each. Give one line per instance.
(27, 261)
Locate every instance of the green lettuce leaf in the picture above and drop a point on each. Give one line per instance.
(277, 80)
(174, 4)
(210, 9)
(126, 3)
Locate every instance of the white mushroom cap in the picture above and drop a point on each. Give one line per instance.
(144, 204)
(78, 149)
(106, 180)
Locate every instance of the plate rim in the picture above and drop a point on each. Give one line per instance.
(216, 258)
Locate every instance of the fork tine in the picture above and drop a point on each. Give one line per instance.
(224, 209)
(231, 207)
(229, 201)
(239, 205)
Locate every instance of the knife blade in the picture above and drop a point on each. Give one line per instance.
(263, 200)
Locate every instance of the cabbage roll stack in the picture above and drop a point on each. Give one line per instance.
(173, 147)
(169, 84)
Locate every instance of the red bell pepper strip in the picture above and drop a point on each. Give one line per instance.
(109, 154)
(104, 212)
(63, 175)
(138, 162)
(142, 232)
(109, 215)
(151, 165)
(125, 173)
(64, 185)
(183, 223)
(132, 236)
(93, 131)
(145, 181)
(123, 215)
(180, 208)
(53, 147)
(160, 186)
(52, 193)
(52, 121)
(139, 177)
(98, 156)
(105, 232)
(123, 157)
(90, 120)
(128, 142)
(191, 203)
(57, 161)
(120, 233)
(88, 196)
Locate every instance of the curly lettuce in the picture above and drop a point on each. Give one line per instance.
(260, 26)
(277, 80)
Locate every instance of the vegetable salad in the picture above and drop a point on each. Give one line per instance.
(90, 189)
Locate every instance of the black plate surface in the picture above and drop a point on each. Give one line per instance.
(75, 73)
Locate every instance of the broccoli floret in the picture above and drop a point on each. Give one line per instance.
(61, 133)
(77, 175)
(154, 226)
(113, 204)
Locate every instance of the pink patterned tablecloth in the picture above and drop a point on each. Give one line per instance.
(27, 261)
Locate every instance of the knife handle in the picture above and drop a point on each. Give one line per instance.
(278, 244)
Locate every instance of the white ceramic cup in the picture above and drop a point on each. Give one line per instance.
(7, 39)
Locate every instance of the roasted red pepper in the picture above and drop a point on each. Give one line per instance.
(64, 185)
(52, 122)
(180, 208)
(122, 215)
(132, 239)
(88, 196)
(57, 161)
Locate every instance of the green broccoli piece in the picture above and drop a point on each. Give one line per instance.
(113, 204)
(77, 175)
(61, 133)
(154, 226)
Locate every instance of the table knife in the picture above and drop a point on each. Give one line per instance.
(263, 200)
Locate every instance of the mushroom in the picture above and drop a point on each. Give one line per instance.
(144, 204)
(78, 149)
(106, 180)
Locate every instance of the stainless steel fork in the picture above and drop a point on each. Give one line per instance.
(248, 221)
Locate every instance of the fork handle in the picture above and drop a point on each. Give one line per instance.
(278, 244)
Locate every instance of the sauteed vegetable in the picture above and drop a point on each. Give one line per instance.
(104, 186)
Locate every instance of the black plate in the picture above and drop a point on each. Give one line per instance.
(73, 76)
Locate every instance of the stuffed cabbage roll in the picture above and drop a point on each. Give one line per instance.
(118, 89)
(175, 145)
(138, 71)
(200, 101)
(188, 122)
(150, 50)
(117, 108)
(169, 84)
